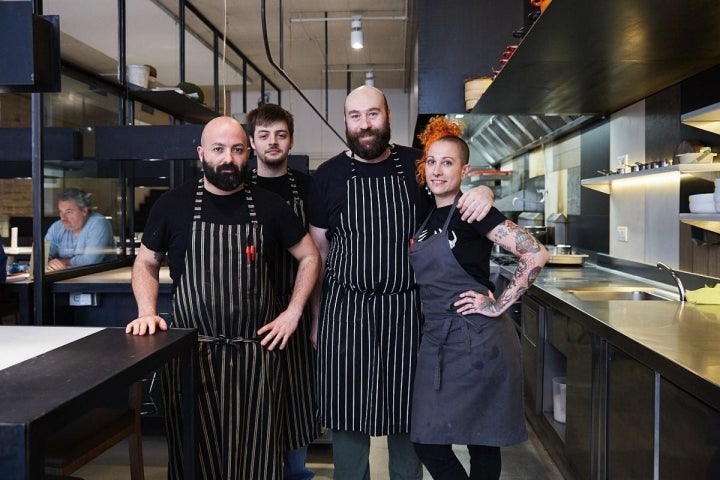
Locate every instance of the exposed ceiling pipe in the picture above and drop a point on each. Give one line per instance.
(286, 76)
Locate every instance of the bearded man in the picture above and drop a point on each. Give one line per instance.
(220, 235)
(364, 204)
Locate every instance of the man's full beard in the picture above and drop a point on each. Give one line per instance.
(226, 177)
(373, 149)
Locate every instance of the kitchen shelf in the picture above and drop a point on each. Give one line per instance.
(706, 221)
(174, 103)
(480, 177)
(709, 171)
(706, 118)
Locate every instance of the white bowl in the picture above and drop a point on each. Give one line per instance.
(703, 208)
(704, 157)
(702, 198)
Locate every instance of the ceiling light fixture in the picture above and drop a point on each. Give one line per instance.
(356, 34)
(370, 78)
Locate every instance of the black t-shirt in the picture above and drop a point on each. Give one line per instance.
(170, 221)
(328, 195)
(468, 241)
(281, 186)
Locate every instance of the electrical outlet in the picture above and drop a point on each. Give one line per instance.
(82, 299)
(622, 234)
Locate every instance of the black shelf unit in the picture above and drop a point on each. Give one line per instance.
(174, 103)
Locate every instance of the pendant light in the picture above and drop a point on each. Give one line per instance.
(356, 34)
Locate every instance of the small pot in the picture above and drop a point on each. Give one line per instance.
(563, 249)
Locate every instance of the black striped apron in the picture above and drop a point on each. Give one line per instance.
(225, 293)
(369, 318)
(302, 425)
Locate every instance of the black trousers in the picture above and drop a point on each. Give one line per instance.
(443, 464)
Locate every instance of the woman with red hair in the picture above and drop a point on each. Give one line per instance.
(468, 383)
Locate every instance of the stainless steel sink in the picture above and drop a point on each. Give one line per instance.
(603, 294)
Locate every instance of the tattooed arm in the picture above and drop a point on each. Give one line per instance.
(532, 256)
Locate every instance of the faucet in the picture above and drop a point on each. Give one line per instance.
(681, 288)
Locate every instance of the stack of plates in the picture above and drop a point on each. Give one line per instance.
(704, 202)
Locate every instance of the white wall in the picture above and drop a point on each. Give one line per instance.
(648, 209)
(314, 138)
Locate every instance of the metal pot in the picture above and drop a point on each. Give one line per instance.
(560, 249)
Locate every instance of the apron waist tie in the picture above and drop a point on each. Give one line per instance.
(223, 340)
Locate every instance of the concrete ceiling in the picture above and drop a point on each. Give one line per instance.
(308, 50)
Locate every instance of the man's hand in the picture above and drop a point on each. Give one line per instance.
(475, 203)
(279, 330)
(58, 264)
(146, 324)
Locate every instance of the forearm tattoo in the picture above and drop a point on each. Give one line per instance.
(526, 271)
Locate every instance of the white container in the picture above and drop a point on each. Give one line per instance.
(702, 157)
(559, 398)
(138, 75)
(702, 203)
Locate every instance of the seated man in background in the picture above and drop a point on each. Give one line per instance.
(81, 236)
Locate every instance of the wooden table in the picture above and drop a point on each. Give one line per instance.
(51, 385)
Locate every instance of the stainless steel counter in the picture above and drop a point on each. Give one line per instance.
(681, 341)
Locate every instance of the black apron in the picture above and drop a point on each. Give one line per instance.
(225, 293)
(468, 383)
(302, 425)
(369, 316)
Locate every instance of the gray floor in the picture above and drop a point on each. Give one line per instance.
(527, 461)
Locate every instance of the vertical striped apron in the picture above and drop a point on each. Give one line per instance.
(226, 294)
(369, 317)
(302, 426)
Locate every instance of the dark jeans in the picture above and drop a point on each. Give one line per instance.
(443, 464)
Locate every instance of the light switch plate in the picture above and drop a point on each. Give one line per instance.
(622, 233)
